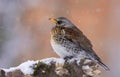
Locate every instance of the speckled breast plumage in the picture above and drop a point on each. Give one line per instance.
(62, 45)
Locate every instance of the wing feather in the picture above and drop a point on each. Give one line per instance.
(78, 37)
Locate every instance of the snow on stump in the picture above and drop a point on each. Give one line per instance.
(53, 67)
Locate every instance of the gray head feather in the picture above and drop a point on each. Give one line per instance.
(62, 21)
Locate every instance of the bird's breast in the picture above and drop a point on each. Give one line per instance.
(59, 49)
(64, 46)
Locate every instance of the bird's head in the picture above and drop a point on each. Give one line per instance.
(62, 21)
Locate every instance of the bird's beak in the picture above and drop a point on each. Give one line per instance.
(53, 20)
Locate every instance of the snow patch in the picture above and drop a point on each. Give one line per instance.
(75, 59)
(49, 60)
(25, 67)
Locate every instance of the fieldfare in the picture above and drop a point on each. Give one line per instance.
(69, 42)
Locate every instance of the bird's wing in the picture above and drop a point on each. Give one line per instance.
(77, 37)
(80, 40)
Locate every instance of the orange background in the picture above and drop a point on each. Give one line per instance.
(25, 29)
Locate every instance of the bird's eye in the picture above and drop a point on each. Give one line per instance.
(59, 22)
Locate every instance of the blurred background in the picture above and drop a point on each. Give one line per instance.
(25, 29)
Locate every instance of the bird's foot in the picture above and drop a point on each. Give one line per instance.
(68, 58)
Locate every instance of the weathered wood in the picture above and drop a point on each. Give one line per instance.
(68, 69)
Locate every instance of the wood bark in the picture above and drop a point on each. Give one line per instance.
(67, 69)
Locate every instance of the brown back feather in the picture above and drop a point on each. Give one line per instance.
(77, 36)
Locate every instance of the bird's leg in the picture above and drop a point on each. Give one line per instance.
(68, 58)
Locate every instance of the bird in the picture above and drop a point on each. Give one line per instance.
(68, 41)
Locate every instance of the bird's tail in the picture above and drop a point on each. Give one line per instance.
(98, 60)
(103, 65)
